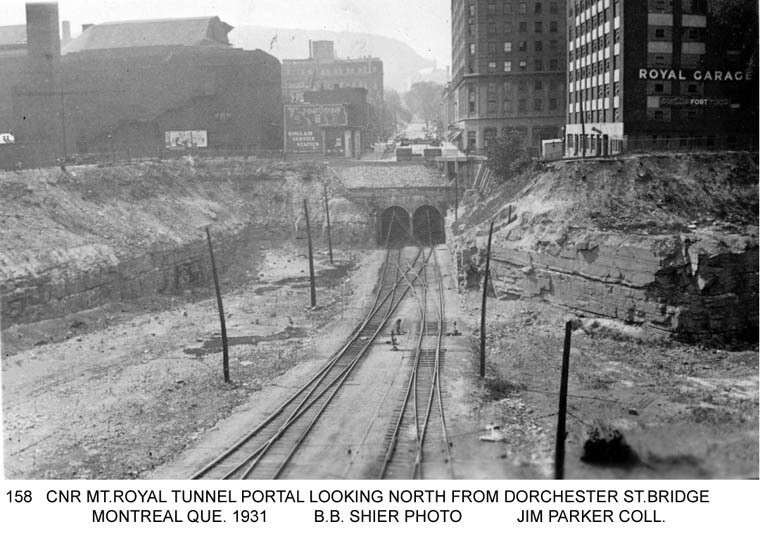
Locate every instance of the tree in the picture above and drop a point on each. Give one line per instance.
(425, 100)
(395, 112)
(508, 154)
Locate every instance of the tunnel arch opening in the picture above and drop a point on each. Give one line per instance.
(428, 225)
(394, 225)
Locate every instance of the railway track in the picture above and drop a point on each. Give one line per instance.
(265, 451)
(417, 444)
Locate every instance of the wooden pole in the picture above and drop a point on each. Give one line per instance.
(311, 257)
(225, 349)
(559, 453)
(583, 124)
(456, 196)
(327, 216)
(483, 306)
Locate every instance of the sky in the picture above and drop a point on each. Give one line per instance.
(422, 24)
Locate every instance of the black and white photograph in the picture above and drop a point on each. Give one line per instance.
(484, 240)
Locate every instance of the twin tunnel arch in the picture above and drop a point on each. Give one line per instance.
(425, 226)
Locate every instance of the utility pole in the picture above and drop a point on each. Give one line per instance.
(63, 127)
(327, 216)
(559, 451)
(583, 124)
(225, 350)
(483, 306)
(456, 196)
(312, 283)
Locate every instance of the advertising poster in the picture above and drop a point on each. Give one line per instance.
(186, 139)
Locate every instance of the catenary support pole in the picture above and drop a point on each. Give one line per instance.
(483, 306)
(559, 453)
(225, 348)
(312, 283)
(327, 216)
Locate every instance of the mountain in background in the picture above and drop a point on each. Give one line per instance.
(401, 64)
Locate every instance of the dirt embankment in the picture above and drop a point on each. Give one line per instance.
(668, 242)
(92, 235)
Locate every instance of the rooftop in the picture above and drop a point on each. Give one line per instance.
(191, 32)
(13, 36)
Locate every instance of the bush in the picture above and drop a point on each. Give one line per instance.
(508, 154)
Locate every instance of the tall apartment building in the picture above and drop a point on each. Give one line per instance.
(660, 74)
(508, 70)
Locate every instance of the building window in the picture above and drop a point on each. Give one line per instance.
(492, 9)
(472, 49)
(489, 135)
(553, 64)
(523, 46)
(523, 65)
(522, 105)
(472, 10)
(553, 7)
(553, 104)
(553, 28)
(522, 7)
(491, 66)
(539, 65)
(522, 86)
(538, 105)
(491, 49)
(523, 26)
(659, 33)
(507, 66)
(553, 45)
(538, 46)
(538, 85)
(537, 7)
(538, 26)
(508, 105)
(491, 108)
(508, 27)
(507, 46)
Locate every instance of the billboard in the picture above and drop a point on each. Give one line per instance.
(185, 139)
(304, 124)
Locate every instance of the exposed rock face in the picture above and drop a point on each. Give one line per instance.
(696, 284)
(77, 240)
(695, 288)
(350, 224)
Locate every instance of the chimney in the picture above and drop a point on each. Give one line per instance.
(42, 37)
(65, 32)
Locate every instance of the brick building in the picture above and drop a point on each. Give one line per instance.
(508, 70)
(142, 87)
(332, 122)
(661, 74)
(323, 70)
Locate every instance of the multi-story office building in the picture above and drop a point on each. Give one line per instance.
(508, 70)
(660, 74)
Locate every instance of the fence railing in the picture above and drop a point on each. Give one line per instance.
(690, 144)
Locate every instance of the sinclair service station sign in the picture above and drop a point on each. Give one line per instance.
(304, 124)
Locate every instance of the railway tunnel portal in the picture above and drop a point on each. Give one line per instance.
(406, 214)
